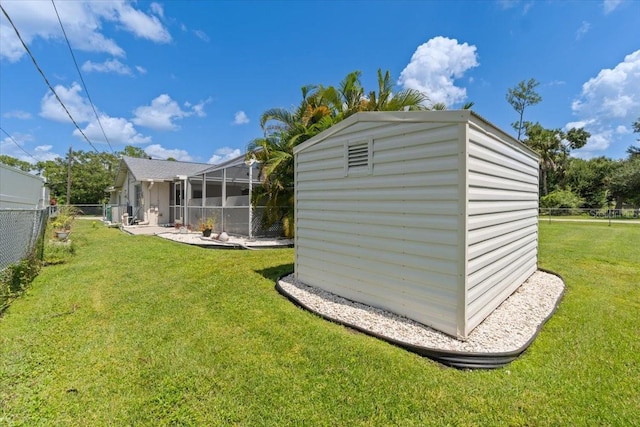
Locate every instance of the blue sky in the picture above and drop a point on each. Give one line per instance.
(190, 79)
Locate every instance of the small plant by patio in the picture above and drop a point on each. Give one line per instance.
(206, 225)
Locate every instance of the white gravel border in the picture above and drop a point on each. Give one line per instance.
(507, 329)
(199, 239)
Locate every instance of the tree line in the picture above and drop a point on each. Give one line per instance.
(565, 181)
(570, 182)
(86, 174)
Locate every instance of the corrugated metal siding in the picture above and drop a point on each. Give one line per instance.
(503, 221)
(386, 238)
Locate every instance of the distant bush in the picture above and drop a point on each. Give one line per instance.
(562, 202)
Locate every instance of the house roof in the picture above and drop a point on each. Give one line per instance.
(236, 161)
(156, 170)
(236, 169)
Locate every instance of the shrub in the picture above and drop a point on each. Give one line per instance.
(15, 278)
(65, 217)
(562, 202)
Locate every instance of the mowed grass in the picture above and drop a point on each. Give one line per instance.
(144, 331)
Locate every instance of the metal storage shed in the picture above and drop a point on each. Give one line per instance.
(432, 215)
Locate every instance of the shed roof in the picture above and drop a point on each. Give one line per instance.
(448, 116)
(156, 170)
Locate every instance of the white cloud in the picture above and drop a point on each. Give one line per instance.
(622, 130)
(608, 101)
(160, 114)
(613, 93)
(43, 153)
(223, 154)
(578, 124)
(118, 130)
(12, 146)
(436, 65)
(198, 109)
(79, 107)
(17, 114)
(84, 22)
(159, 152)
(141, 70)
(510, 4)
(163, 111)
(201, 35)
(527, 7)
(240, 118)
(109, 66)
(610, 5)
(142, 25)
(16, 147)
(599, 141)
(584, 29)
(157, 9)
(507, 4)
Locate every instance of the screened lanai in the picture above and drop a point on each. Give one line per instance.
(223, 192)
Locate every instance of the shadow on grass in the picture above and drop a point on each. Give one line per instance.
(273, 273)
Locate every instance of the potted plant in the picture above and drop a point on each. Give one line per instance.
(62, 222)
(206, 225)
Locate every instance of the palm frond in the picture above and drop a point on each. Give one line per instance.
(278, 114)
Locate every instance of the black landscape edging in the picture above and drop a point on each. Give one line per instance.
(454, 359)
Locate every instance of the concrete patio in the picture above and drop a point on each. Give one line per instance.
(196, 238)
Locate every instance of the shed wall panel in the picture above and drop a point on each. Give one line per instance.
(387, 238)
(503, 219)
(443, 207)
(367, 290)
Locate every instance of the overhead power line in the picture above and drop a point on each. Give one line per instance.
(45, 78)
(81, 78)
(18, 145)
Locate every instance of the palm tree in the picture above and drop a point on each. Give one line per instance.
(320, 108)
(275, 154)
(553, 146)
(283, 130)
(405, 100)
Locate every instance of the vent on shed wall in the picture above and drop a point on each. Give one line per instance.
(358, 157)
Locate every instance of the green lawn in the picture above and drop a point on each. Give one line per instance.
(143, 331)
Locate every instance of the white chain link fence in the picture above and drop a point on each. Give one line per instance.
(21, 250)
(590, 214)
(20, 232)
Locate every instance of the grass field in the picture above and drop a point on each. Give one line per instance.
(144, 331)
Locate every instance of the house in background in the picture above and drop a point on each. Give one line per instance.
(432, 215)
(162, 193)
(148, 190)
